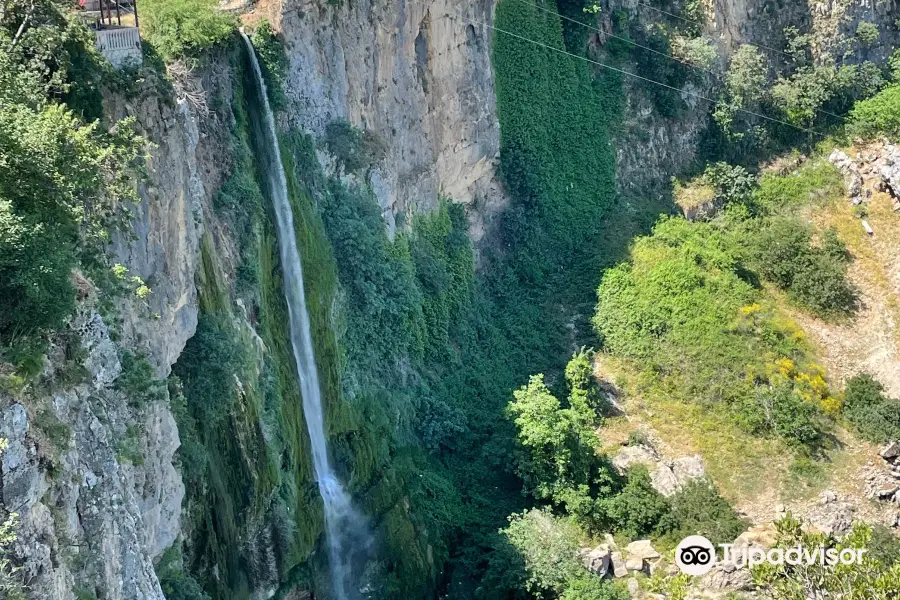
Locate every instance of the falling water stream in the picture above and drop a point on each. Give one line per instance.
(345, 529)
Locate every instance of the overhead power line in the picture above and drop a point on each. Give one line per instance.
(635, 75)
(702, 24)
(715, 74)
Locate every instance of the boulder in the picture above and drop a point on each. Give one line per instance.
(642, 548)
(618, 564)
(762, 536)
(891, 451)
(629, 456)
(597, 560)
(670, 476)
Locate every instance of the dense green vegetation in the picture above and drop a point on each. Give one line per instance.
(482, 482)
(878, 115)
(185, 28)
(65, 184)
(802, 93)
(237, 402)
(689, 311)
(875, 416)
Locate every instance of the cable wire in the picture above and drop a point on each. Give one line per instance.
(702, 24)
(636, 76)
(715, 74)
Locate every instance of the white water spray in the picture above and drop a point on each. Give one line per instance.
(345, 531)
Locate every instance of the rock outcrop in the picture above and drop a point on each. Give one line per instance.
(666, 476)
(418, 75)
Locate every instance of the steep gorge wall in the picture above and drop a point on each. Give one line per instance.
(89, 468)
(415, 72)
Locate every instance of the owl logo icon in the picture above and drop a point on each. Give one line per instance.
(695, 555)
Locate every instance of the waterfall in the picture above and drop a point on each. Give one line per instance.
(345, 530)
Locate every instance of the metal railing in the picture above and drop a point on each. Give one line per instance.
(118, 39)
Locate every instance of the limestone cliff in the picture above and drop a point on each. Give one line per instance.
(415, 72)
(89, 468)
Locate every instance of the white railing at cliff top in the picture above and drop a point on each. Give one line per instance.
(124, 38)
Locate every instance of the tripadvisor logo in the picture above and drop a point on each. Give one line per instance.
(696, 555)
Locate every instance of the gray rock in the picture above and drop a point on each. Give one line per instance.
(827, 497)
(643, 549)
(23, 481)
(671, 476)
(633, 587)
(628, 456)
(891, 451)
(727, 577)
(618, 564)
(833, 518)
(103, 358)
(597, 560)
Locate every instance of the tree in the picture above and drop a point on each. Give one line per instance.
(585, 400)
(549, 545)
(556, 457)
(867, 34)
(64, 184)
(745, 85)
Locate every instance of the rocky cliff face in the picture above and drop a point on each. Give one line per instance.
(415, 72)
(89, 468)
(832, 23)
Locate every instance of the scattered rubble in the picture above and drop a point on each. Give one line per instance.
(882, 481)
(879, 162)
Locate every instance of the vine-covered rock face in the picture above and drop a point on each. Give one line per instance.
(416, 74)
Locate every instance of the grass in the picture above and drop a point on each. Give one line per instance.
(751, 472)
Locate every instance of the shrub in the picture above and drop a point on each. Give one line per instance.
(867, 33)
(813, 277)
(879, 115)
(820, 284)
(875, 416)
(274, 62)
(175, 583)
(870, 578)
(549, 546)
(791, 417)
(638, 509)
(589, 587)
(732, 183)
(185, 28)
(833, 246)
(695, 51)
(884, 546)
(698, 509)
(354, 148)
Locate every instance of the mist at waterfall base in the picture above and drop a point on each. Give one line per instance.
(347, 535)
